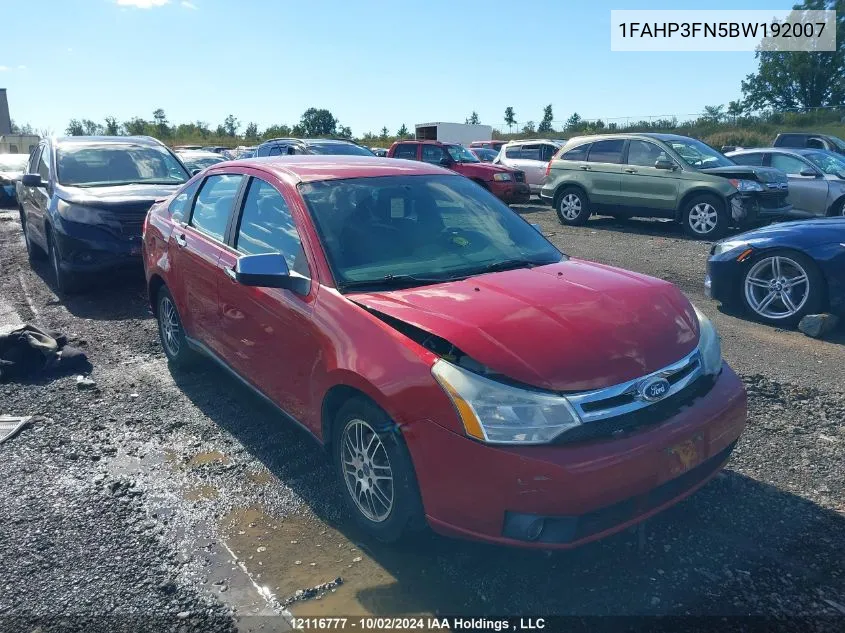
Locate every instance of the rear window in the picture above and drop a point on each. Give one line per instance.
(577, 153)
(755, 159)
(339, 149)
(609, 151)
(791, 140)
(406, 150)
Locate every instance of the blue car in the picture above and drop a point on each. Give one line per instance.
(782, 272)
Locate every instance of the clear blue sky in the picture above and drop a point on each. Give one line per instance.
(372, 63)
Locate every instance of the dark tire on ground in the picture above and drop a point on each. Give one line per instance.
(572, 206)
(66, 283)
(704, 217)
(816, 300)
(405, 513)
(33, 251)
(837, 209)
(171, 332)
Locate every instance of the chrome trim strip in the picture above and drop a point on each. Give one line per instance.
(632, 388)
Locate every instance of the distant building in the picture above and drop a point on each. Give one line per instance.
(5, 118)
(13, 143)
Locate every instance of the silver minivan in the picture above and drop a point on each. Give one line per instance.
(816, 177)
(531, 156)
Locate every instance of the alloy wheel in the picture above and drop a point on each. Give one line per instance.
(703, 218)
(777, 287)
(367, 471)
(170, 328)
(570, 206)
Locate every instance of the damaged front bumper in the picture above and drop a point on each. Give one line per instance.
(749, 208)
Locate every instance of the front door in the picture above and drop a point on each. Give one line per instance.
(806, 193)
(644, 186)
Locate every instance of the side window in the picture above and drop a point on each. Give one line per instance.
(32, 167)
(788, 164)
(406, 150)
(755, 159)
(644, 154)
(182, 203)
(432, 153)
(513, 151)
(214, 204)
(276, 150)
(609, 151)
(577, 153)
(267, 226)
(532, 152)
(816, 143)
(792, 140)
(44, 164)
(547, 152)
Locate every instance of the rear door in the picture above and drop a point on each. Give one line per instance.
(644, 186)
(196, 247)
(531, 162)
(806, 193)
(408, 151)
(604, 169)
(268, 335)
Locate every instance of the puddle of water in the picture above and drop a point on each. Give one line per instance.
(293, 553)
(201, 493)
(207, 457)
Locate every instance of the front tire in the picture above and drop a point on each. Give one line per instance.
(781, 287)
(171, 332)
(33, 252)
(67, 283)
(573, 207)
(375, 469)
(704, 217)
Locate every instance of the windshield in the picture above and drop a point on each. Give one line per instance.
(461, 154)
(838, 142)
(828, 163)
(109, 164)
(339, 149)
(425, 229)
(13, 162)
(697, 154)
(486, 155)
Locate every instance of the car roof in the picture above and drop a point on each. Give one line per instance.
(550, 141)
(313, 168)
(309, 141)
(115, 140)
(780, 150)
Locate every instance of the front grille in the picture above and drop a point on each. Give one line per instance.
(128, 224)
(646, 416)
(520, 176)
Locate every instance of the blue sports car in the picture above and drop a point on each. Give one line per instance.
(782, 272)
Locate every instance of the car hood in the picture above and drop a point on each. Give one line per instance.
(570, 326)
(820, 231)
(483, 170)
(747, 172)
(117, 196)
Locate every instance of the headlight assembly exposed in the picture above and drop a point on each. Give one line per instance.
(502, 177)
(709, 345)
(729, 245)
(746, 185)
(500, 414)
(77, 213)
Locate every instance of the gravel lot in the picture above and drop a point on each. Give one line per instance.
(178, 501)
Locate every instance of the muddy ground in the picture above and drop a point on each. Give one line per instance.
(179, 501)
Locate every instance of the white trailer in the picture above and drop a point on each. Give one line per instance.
(462, 133)
(18, 143)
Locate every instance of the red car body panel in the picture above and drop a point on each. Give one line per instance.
(510, 192)
(563, 326)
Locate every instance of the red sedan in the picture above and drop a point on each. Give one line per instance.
(460, 369)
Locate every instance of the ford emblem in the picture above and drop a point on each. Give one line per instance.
(654, 389)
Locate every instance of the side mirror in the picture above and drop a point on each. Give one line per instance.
(537, 227)
(810, 173)
(664, 164)
(32, 180)
(269, 270)
(194, 172)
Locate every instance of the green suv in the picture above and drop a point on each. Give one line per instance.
(661, 175)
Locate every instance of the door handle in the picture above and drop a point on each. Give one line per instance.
(181, 242)
(585, 167)
(230, 273)
(629, 170)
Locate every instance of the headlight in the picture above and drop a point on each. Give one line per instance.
(729, 245)
(746, 185)
(77, 213)
(501, 414)
(502, 177)
(709, 345)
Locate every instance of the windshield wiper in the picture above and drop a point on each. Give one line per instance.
(393, 281)
(511, 264)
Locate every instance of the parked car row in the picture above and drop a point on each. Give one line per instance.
(12, 167)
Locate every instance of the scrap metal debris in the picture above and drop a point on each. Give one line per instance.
(28, 351)
(313, 592)
(12, 425)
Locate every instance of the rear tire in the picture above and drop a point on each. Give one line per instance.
(704, 217)
(171, 332)
(376, 473)
(67, 283)
(837, 209)
(572, 207)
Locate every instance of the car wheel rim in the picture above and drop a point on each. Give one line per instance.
(367, 471)
(570, 206)
(777, 287)
(703, 218)
(170, 327)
